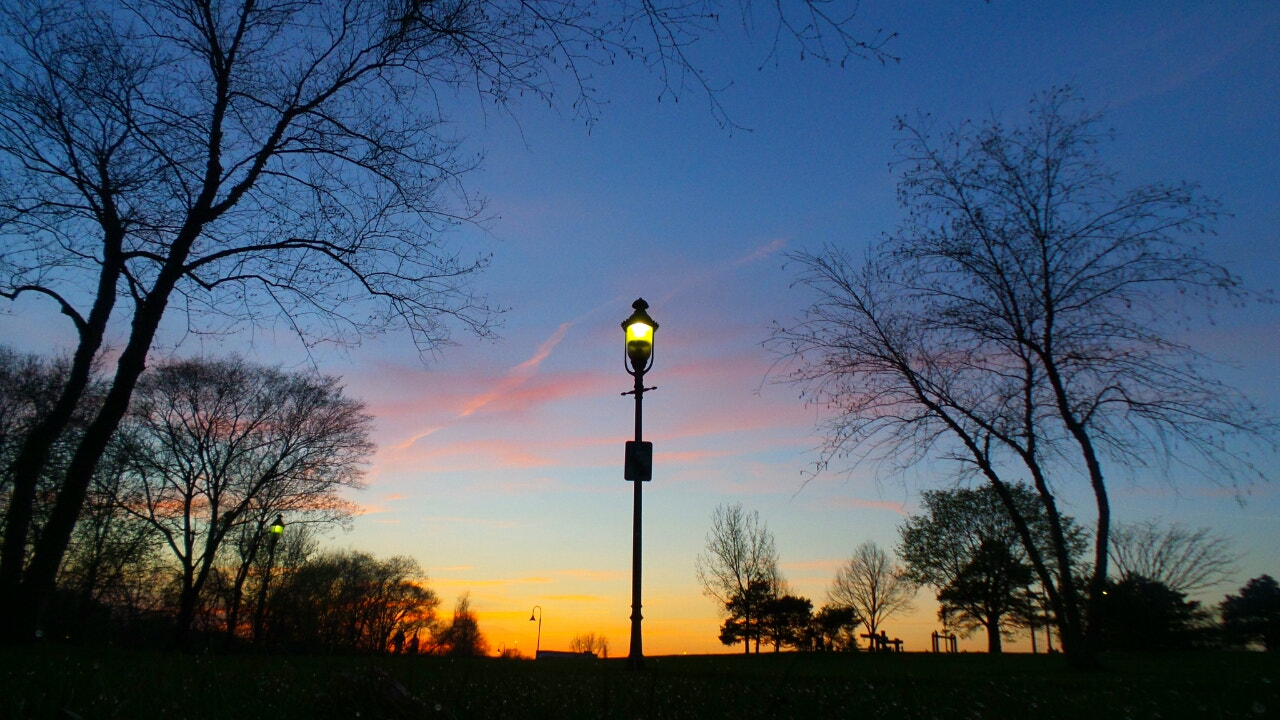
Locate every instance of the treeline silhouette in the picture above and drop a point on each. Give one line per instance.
(964, 548)
(203, 526)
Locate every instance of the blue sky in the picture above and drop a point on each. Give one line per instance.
(500, 464)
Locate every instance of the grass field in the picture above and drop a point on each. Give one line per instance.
(69, 682)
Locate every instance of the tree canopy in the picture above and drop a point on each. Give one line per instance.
(213, 446)
(1138, 614)
(965, 545)
(1254, 614)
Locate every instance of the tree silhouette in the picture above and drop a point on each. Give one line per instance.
(590, 643)
(738, 568)
(1025, 318)
(965, 546)
(1138, 614)
(786, 620)
(875, 588)
(1183, 559)
(462, 636)
(834, 629)
(1254, 614)
(30, 386)
(746, 615)
(213, 445)
(351, 602)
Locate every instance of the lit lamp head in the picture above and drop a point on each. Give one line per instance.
(639, 328)
(277, 527)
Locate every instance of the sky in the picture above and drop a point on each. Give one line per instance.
(499, 465)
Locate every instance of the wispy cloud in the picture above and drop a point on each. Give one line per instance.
(762, 252)
(467, 455)
(864, 504)
(519, 374)
(498, 582)
(578, 598)
(596, 575)
(409, 443)
(710, 274)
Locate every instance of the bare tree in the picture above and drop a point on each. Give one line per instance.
(739, 559)
(1024, 317)
(872, 585)
(590, 643)
(1182, 559)
(462, 636)
(279, 162)
(213, 445)
(30, 386)
(110, 550)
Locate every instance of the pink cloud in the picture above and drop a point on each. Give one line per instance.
(412, 440)
(534, 393)
(471, 455)
(518, 375)
(762, 252)
(847, 503)
(370, 509)
(694, 456)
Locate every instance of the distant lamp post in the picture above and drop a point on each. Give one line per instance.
(537, 646)
(274, 532)
(638, 467)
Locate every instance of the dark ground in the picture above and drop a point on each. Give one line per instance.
(52, 681)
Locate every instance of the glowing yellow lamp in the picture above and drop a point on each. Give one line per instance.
(277, 527)
(639, 328)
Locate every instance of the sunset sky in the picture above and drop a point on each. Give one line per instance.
(500, 463)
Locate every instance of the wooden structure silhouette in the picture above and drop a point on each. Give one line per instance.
(882, 643)
(946, 640)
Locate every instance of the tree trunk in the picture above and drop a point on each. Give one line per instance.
(994, 641)
(33, 457)
(41, 574)
(1059, 586)
(237, 591)
(186, 614)
(1088, 634)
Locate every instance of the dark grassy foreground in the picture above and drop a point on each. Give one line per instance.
(69, 682)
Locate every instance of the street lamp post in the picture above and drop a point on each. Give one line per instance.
(638, 468)
(274, 533)
(537, 648)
